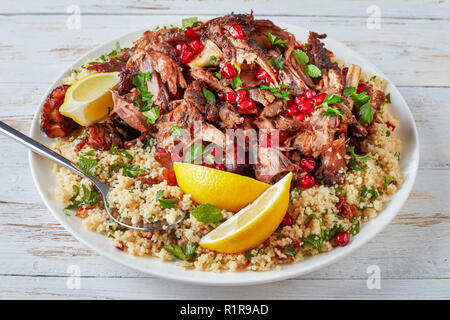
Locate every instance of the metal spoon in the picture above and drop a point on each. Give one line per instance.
(102, 188)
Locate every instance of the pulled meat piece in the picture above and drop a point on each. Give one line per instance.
(320, 54)
(272, 105)
(272, 165)
(111, 65)
(54, 124)
(194, 96)
(162, 41)
(209, 79)
(264, 124)
(319, 132)
(127, 132)
(346, 210)
(165, 159)
(333, 161)
(229, 116)
(100, 137)
(377, 100)
(292, 63)
(332, 82)
(129, 113)
(168, 69)
(159, 92)
(287, 124)
(145, 178)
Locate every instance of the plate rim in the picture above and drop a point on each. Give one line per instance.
(325, 258)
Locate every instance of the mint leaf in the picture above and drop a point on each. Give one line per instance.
(209, 95)
(152, 115)
(189, 22)
(177, 131)
(388, 98)
(188, 254)
(275, 41)
(176, 251)
(196, 150)
(278, 92)
(348, 91)
(165, 202)
(131, 170)
(366, 114)
(88, 165)
(207, 213)
(301, 57)
(277, 63)
(124, 153)
(357, 157)
(312, 71)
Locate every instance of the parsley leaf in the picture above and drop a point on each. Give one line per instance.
(207, 213)
(209, 95)
(387, 180)
(301, 57)
(348, 91)
(165, 202)
(188, 254)
(275, 41)
(278, 92)
(177, 131)
(366, 114)
(277, 63)
(124, 153)
(331, 111)
(188, 22)
(358, 157)
(312, 71)
(130, 170)
(196, 150)
(290, 251)
(152, 115)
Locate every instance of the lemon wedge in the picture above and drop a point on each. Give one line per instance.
(225, 190)
(252, 225)
(88, 100)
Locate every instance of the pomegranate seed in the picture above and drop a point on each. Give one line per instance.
(197, 46)
(220, 166)
(246, 106)
(300, 116)
(307, 182)
(236, 31)
(262, 74)
(361, 87)
(292, 111)
(149, 237)
(241, 95)
(345, 71)
(306, 107)
(181, 46)
(309, 94)
(230, 97)
(120, 248)
(287, 220)
(208, 165)
(299, 99)
(269, 80)
(308, 164)
(341, 239)
(229, 71)
(390, 125)
(161, 150)
(220, 96)
(186, 56)
(190, 33)
(320, 98)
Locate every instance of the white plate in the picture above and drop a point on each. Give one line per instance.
(45, 182)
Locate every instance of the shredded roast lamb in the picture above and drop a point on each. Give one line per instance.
(269, 80)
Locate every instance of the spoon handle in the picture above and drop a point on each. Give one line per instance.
(40, 149)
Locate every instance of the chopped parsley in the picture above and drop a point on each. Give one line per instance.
(370, 194)
(129, 170)
(212, 59)
(124, 153)
(188, 254)
(275, 41)
(314, 241)
(152, 115)
(277, 63)
(145, 100)
(209, 96)
(207, 213)
(90, 197)
(165, 202)
(177, 131)
(196, 150)
(331, 111)
(354, 228)
(278, 92)
(388, 98)
(113, 53)
(189, 22)
(249, 255)
(356, 162)
(387, 180)
(290, 251)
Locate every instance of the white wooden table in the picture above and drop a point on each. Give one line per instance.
(412, 48)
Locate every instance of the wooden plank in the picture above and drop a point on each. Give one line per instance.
(409, 58)
(415, 245)
(399, 9)
(137, 288)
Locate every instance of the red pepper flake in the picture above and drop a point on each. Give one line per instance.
(390, 125)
